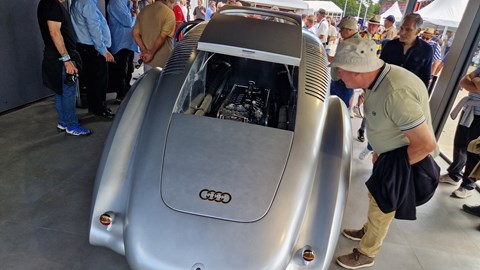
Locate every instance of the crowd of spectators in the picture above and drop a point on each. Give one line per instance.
(100, 48)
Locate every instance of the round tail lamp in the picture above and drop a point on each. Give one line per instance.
(308, 256)
(106, 219)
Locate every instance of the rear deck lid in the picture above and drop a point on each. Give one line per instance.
(223, 169)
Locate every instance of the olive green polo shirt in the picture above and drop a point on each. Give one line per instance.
(396, 102)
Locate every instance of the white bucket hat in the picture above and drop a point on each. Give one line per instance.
(357, 55)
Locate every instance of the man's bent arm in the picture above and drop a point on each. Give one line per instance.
(468, 84)
(138, 39)
(57, 38)
(422, 142)
(158, 43)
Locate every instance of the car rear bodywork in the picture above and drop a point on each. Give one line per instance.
(232, 157)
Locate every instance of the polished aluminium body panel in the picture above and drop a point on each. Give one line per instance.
(227, 156)
(112, 188)
(154, 229)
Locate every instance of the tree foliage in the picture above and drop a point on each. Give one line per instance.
(353, 5)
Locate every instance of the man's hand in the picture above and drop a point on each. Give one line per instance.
(109, 57)
(147, 56)
(70, 67)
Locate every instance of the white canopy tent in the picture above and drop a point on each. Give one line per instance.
(444, 12)
(294, 5)
(330, 7)
(393, 10)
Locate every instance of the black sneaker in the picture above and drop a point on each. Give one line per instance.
(107, 114)
(473, 210)
(360, 136)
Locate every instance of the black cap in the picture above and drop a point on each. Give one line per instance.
(390, 18)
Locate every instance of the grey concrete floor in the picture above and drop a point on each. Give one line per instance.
(46, 181)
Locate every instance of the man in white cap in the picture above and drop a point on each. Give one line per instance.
(348, 29)
(397, 118)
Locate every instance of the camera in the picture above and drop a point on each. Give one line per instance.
(71, 79)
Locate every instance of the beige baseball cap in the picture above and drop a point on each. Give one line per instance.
(348, 22)
(357, 55)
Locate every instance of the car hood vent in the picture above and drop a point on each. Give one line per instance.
(183, 50)
(316, 71)
(223, 169)
(243, 36)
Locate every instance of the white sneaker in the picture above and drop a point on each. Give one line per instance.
(357, 112)
(351, 113)
(365, 153)
(448, 180)
(462, 193)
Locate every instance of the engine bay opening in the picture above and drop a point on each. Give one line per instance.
(240, 89)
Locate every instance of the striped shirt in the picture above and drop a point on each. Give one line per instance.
(437, 54)
(377, 38)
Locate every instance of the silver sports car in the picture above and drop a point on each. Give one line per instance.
(232, 157)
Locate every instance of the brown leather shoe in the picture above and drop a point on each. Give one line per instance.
(355, 235)
(355, 260)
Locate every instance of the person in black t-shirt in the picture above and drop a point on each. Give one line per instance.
(59, 68)
(409, 51)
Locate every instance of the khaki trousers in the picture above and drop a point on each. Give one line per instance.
(375, 229)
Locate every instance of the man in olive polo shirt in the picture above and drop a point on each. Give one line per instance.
(397, 115)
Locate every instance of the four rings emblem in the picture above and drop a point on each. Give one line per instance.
(215, 196)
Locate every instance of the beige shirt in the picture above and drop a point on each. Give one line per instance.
(389, 33)
(398, 101)
(153, 20)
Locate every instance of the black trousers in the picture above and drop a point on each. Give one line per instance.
(462, 158)
(94, 77)
(120, 73)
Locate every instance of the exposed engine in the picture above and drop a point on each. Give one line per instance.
(264, 94)
(248, 104)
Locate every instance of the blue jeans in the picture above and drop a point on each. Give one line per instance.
(361, 130)
(65, 103)
(339, 89)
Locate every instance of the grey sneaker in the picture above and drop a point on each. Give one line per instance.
(462, 193)
(355, 235)
(355, 260)
(365, 153)
(448, 180)
(357, 112)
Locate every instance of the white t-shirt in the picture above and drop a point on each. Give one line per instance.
(185, 12)
(322, 29)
